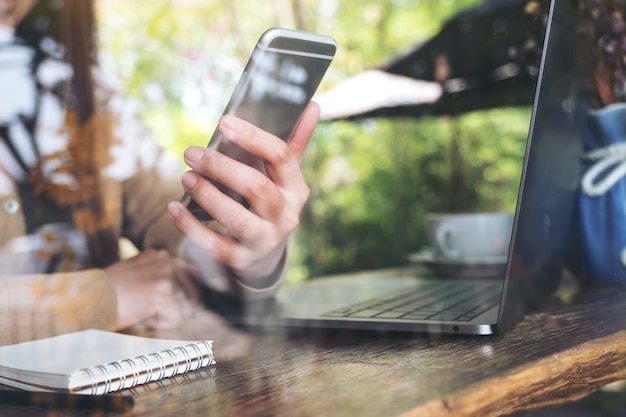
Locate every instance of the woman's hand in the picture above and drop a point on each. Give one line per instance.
(254, 239)
(153, 288)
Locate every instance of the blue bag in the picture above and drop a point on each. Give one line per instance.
(599, 238)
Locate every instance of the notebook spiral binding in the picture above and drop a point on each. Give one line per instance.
(128, 373)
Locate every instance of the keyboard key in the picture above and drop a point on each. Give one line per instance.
(390, 315)
(440, 300)
(444, 316)
(365, 313)
(416, 316)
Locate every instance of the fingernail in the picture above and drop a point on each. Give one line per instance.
(194, 153)
(189, 179)
(174, 209)
(229, 125)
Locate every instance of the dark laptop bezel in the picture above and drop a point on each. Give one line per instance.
(550, 173)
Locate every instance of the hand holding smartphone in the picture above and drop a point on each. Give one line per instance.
(278, 82)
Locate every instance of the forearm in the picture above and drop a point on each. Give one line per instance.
(37, 306)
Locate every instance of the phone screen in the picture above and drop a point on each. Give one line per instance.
(280, 78)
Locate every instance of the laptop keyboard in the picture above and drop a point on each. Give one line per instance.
(438, 300)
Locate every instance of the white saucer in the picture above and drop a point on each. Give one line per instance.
(488, 268)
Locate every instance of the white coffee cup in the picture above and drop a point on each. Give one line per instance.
(470, 236)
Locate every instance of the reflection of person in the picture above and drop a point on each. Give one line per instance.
(598, 245)
(604, 32)
(78, 172)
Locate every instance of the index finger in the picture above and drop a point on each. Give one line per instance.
(281, 164)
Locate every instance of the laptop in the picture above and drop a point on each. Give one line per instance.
(536, 252)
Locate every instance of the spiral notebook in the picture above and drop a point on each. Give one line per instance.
(97, 362)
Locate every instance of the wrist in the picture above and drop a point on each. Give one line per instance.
(256, 279)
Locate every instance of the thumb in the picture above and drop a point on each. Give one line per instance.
(304, 130)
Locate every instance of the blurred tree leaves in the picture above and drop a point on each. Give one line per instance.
(373, 181)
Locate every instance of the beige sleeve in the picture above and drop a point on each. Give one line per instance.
(150, 177)
(146, 196)
(37, 306)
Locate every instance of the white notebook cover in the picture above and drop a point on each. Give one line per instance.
(97, 361)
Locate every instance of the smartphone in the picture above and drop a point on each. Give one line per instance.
(279, 80)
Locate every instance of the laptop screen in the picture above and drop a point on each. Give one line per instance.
(551, 169)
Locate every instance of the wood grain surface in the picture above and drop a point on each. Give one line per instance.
(554, 356)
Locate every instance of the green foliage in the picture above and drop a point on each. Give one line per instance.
(374, 31)
(372, 182)
(180, 59)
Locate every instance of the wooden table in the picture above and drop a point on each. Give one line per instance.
(556, 355)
